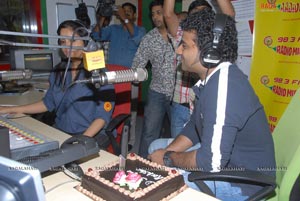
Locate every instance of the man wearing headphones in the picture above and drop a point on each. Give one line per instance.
(228, 129)
(183, 95)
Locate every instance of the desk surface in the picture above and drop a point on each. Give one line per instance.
(59, 186)
(21, 99)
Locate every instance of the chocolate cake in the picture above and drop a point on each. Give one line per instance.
(155, 182)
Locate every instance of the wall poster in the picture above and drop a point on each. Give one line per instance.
(275, 70)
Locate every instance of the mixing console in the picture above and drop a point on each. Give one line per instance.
(25, 142)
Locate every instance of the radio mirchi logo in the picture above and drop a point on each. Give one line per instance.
(286, 6)
(287, 45)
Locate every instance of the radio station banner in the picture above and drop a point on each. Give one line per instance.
(275, 69)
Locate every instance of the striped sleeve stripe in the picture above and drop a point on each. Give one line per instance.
(220, 119)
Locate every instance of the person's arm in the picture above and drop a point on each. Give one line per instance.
(179, 158)
(170, 17)
(122, 16)
(103, 110)
(94, 128)
(97, 29)
(226, 7)
(139, 33)
(142, 55)
(99, 24)
(180, 144)
(33, 108)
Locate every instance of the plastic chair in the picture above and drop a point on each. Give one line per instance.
(287, 154)
(121, 115)
(287, 150)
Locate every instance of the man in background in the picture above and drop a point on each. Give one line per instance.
(124, 37)
(157, 49)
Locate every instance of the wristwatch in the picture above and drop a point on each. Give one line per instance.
(126, 21)
(167, 159)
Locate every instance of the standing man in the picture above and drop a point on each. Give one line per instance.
(124, 38)
(228, 128)
(157, 49)
(183, 95)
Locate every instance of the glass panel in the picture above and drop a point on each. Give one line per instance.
(18, 16)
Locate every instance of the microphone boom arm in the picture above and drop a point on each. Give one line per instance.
(6, 42)
(14, 33)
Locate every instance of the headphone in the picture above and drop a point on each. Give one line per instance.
(210, 55)
(82, 29)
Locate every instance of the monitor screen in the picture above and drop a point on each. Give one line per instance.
(39, 62)
(20, 182)
(42, 60)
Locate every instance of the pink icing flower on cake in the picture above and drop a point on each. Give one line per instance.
(133, 177)
(133, 180)
(120, 178)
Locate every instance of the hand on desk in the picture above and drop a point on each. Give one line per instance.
(10, 112)
(7, 110)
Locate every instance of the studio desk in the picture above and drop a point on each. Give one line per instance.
(59, 186)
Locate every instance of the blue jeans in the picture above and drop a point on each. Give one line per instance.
(179, 117)
(156, 107)
(222, 190)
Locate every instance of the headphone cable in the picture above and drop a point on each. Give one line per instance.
(70, 52)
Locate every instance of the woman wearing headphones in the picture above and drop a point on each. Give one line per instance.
(79, 108)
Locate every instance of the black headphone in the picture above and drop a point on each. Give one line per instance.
(210, 55)
(78, 23)
(89, 45)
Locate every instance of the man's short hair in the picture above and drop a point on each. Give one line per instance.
(130, 5)
(197, 3)
(156, 3)
(202, 23)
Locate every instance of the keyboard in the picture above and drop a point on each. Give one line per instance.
(25, 142)
(52, 159)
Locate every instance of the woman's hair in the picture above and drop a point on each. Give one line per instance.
(75, 25)
(80, 28)
(202, 23)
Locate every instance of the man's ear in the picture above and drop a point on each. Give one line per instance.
(134, 16)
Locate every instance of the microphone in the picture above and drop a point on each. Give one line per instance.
(121, 76)
(15, 75)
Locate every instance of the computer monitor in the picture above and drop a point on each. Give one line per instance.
(37, 60)
(20, 182)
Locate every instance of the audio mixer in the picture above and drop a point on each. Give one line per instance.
(25, 142)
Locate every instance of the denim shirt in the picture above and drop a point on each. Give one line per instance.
(78, 106)
(122, 46)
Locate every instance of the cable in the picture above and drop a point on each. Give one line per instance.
(58, 185)
(215, 188)
(69, 59)
(70, 52)
(64, 89)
